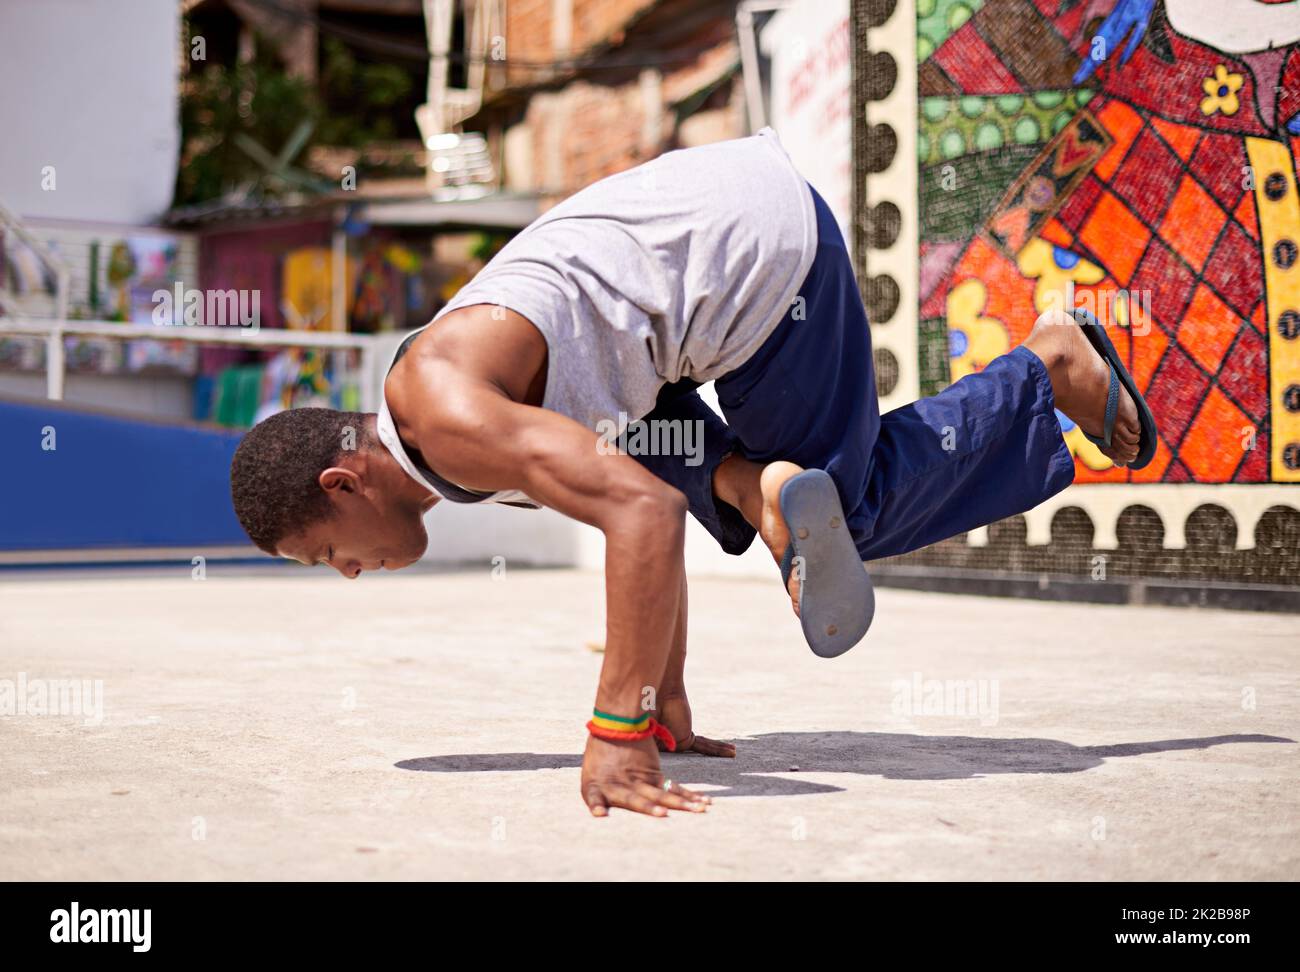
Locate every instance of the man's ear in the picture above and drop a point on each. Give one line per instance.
(339, 479)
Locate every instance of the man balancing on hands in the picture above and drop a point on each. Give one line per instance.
(717, 263)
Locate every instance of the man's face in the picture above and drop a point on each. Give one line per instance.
(364, 531)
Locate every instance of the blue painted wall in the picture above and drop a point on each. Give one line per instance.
(112, 482)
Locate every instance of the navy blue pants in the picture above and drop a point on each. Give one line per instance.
(987, 447)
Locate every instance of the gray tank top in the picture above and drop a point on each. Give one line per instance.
(678, 268)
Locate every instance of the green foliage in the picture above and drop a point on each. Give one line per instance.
(353, 107)
(257, 99)
(487, 245)
(361, 98)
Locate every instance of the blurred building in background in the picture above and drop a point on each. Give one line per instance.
(354, 162)
(591, 88)
(260, 147)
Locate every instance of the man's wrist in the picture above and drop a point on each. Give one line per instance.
(616, 728)
(632, 699)
(614, 722)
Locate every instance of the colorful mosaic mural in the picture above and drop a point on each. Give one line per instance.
(1139, 158)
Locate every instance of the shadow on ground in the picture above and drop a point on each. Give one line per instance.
(894, 756)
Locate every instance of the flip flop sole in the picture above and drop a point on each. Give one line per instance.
(836, 599)
(1100, 340)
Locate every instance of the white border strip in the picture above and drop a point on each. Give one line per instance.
(898, 184)
(118, 555)
(1172, 502)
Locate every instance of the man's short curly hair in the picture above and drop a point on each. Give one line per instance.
(274, 477)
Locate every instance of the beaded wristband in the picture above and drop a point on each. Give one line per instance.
(621, 729)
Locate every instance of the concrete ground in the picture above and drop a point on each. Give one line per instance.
(290, 725)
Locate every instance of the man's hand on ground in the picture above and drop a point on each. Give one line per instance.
(627, 775)
(675, 716)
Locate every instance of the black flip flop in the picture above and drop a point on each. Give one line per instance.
(1100, 340)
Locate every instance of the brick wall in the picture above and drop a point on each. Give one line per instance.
(550, 30)
(612, 114)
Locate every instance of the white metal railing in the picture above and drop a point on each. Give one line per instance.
(63, 275)
(54, 331)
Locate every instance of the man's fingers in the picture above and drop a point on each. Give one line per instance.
(712, 747)
(628, 798)
(676, 798)
(646, 798)
(689, 794)
(595, 800)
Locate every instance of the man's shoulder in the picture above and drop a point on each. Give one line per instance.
(463, 355)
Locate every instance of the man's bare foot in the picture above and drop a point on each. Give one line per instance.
(771, 525)
(1081, 381)
(755, 490)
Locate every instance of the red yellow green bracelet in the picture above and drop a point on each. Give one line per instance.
(622, 729)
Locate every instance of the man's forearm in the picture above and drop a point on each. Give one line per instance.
(644, 580)
(673, 684)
